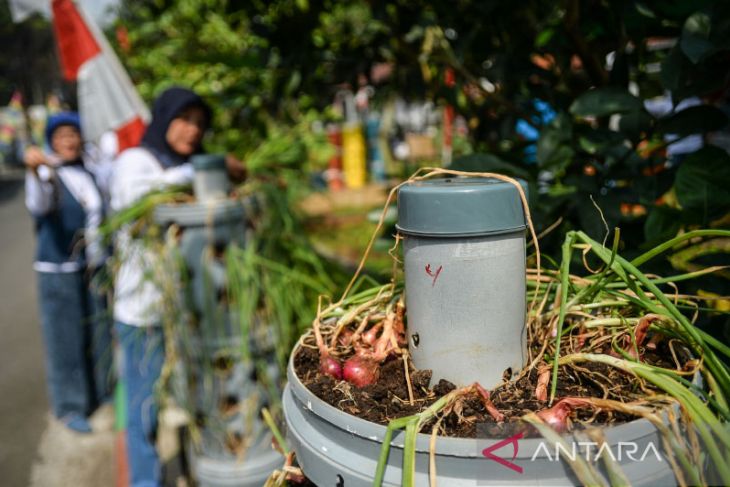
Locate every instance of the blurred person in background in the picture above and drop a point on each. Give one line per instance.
(67, 205)
(180, 119)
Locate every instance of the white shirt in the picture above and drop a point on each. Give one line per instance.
(137, 298)
(39, 201)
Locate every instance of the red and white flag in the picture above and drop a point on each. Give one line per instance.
(107, 98)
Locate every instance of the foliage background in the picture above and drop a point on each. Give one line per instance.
(593, 62)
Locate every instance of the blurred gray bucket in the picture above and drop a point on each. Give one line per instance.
(207, 228)
(464, 252)
(334, 448)
(251, 470)
(211, 178)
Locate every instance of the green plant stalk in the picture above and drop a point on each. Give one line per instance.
(584, 471)
(616, 475)
(409, 454)
(590, 291)
(676, 278)
(659, 249)
(418, 420)
(360, 298)
(385, 447)
(679, 449)
(288, 272)
(564, 282)
(696, 340)
(269, 420)
(697, 410)
(601, 304)
(240, 290)
(599, 283)
(719, 402)
(714, 342)
(609, 322)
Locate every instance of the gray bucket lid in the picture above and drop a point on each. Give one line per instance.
(460, 207)
(200, 213)
(208, 162)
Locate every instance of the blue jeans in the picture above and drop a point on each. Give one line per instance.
(78, 343)
(100, 340)
(143, 354)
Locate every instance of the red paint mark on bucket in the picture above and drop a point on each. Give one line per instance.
(435, 275)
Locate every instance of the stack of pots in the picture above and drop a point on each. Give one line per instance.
(464, 256)
(212, 380)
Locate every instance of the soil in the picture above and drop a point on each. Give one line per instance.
(388, 398)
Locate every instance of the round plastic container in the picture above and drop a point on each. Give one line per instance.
(336, 448)
(464, 252)
(211, 179)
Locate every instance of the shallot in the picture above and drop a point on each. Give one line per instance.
(557, 416)
(488, 404)
(330, 366)
(327, 364)
(361, 370)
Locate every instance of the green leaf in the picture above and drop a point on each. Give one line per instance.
(544, 37)
(693, 120)
(601, 141)
(662, 223)
(644, 10)
(554, 145)
(672, 68)
(605, 101)
(703, 180)
(488, 163)
(695, 39)
(635, 123)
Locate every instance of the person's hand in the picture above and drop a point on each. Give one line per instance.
(236, 168)
(34, 158)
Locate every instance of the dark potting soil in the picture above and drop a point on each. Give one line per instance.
(388, 398)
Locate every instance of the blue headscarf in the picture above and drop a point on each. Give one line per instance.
(169, 105)
(59, 120)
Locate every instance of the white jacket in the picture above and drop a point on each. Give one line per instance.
(137, 299)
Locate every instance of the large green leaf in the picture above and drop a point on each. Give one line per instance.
(703, 180)
(605, 101)
(635, 123)
(488, 163)
(695, 41)
(672, 69)
(554, 149)
(693, 120)
(662, 223)
(601, 141)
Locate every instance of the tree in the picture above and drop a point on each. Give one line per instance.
(28, 59)
(593, 63)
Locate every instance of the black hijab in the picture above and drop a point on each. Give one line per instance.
(169, 105)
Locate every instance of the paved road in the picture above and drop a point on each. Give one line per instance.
(23, 400)
(34, 449)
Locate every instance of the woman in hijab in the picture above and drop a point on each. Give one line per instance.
(179, 121)
(63, 196)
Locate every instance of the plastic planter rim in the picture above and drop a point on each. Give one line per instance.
(449, 446)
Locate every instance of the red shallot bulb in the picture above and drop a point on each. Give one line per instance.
(361, 371)
(330, 366)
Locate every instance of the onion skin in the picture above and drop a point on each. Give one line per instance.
(361, 371)
(345, 337)
(370, 336)
(488, 404)
(543, 379)
(330, 366)
(557, 416)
